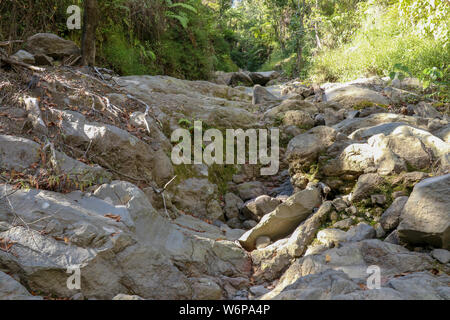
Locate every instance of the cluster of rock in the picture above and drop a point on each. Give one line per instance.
(362, 183)
(43, 49)
(245, 78)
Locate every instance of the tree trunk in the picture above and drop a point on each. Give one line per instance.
(90, 22)
(319, 43)
(301, 13)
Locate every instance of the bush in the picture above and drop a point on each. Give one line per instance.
(121, 56)
(377, 50)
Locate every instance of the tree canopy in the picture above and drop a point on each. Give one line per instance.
(322, 40)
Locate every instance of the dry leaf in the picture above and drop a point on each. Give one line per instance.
(113, 216)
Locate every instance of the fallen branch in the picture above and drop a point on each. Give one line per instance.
(145, 119)
(161, 192)
(22, 64)
(147, 109)
(7, 43)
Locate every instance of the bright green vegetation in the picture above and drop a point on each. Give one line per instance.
(397, 38)
(316, 40)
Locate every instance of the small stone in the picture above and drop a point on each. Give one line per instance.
(319, 119)
(343, 224)
(122, 296)
(206, 289)
(234, 223)
(339, 204)
(393, 238)
(352, 210)
(258, 291)
(232, 205)
(241, 295)
(248, 224)
(77, 296)
(379, 231)
(250, 190)
(334, 216)
(391, 217)
(378, 199)
(441, 255)
(262, 242)
(361, 232)
(24, 56)
(398, 194)
(316, 249)
(378, 211)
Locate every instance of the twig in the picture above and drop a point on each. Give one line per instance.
(71, 63)
(22, 64)
(87, 150)
(53, 154)
(98, 72)
(9, 194)
(145, 119)
(7, 43)
(161, 192)
(79, 73)
(147, 108)
(103, 163)
(19, 217)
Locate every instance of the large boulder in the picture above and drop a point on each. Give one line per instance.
(10, 289)
(112, 145)
(284, 219)
(262, 96)
(233, 205)
(391, 217)
(305, 148)
(218, 106)
(262, 78)
(194, 195)
(298, 118)
(330, 237)
(340, 161)
(366, 185)
(241, 78)
(355, 96)
(21, 154)
(425, 218)
(51, 45)
(18, 153)
(322, 286)
(121, 244)
(271, 261)
(291, 104)
(354, 258)
(24, 56)
(414, 286)
(250, 190)
(350, 125)
(259, 207)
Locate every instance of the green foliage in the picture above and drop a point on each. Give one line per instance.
(382, 47)
(181, 15)
(184, 123)
(124, 58)
(221, 174)
(323, 40)
(400, 72)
